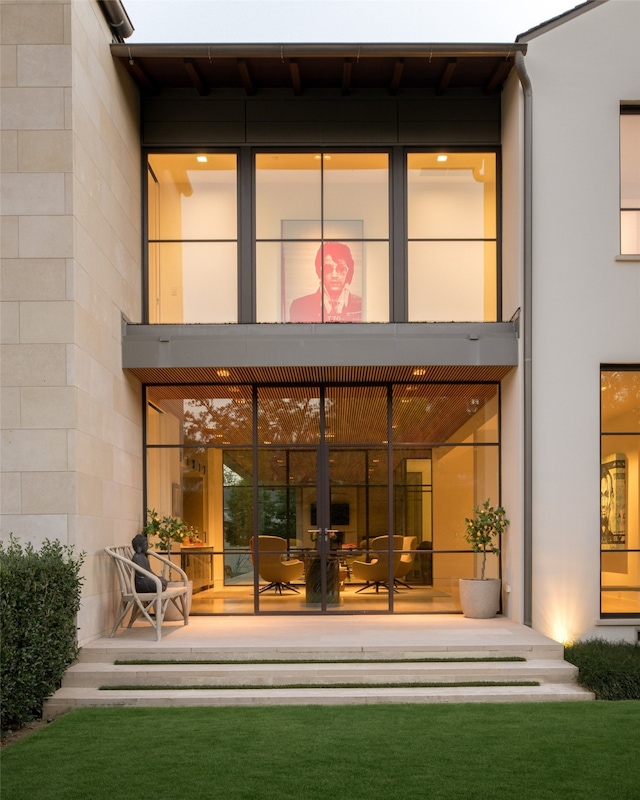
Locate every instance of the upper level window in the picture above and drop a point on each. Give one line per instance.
(193, 238)
(322, 237)
(451, 223)
(630, 180)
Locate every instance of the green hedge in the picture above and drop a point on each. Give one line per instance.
(609, 669)
(39, 600)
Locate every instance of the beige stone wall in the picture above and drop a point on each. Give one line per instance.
(71, 419)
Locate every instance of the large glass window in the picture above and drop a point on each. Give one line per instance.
(192, 232)
(324, 236)
(452, 242)
(408, 459)
(630, 180)
(620, 492)
(322, 229)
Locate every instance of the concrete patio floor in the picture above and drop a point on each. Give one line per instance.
(447, 632)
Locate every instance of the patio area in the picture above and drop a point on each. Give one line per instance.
(308, 634)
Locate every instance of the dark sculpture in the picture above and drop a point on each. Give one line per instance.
(140, 557)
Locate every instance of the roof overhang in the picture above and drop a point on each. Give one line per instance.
(299, 67)
(387, 352)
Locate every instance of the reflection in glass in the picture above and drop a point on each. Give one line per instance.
(356, 415)
(445, 412)
(215, 415)
(620, 401)
(288, 414)
(200, 464)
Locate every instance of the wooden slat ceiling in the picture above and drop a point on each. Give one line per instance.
(430, 404)
(209, 68)
(316, 375)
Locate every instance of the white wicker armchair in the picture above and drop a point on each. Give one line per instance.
(143, 603)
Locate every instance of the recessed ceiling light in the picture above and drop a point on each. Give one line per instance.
(442, 158)
(201, 159)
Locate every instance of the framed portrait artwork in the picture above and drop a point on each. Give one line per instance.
(613, 502)
(322, 271)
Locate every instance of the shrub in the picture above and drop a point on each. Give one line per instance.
(39, 600)
(609, 669)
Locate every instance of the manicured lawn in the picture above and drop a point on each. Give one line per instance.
(440, 752)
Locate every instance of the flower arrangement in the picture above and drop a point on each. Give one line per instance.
(484, 528)
(333, 535)
(167, 529)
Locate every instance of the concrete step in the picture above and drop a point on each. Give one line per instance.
(556, 679)
(355, 651)
(66, 699)
(113, 651)
(289, 673)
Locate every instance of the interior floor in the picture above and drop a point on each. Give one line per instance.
(239, 600)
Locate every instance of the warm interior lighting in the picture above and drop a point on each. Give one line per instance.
(442, 158)
(201, 159)
(222, 373)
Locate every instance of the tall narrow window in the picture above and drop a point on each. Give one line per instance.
(322, 237)
(452, 240)
(192, 233)
(620, 491)
(630, 180)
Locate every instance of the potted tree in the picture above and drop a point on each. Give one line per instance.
(168, 530)
(480, 597)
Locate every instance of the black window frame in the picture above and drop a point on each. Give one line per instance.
(246, 216)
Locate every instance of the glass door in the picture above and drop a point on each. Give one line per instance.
(356, 436)
(322, 506)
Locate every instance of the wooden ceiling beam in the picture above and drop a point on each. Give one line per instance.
(347, 68)
(445, 80)
(397, 76)
(246, 76)
(498, 77)
(141, 76)
(194, 75)
(294, 69)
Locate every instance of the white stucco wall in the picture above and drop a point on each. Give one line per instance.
(511, 434)
(586, 304)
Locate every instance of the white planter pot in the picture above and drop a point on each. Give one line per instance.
(480, 599)
(172, 612)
